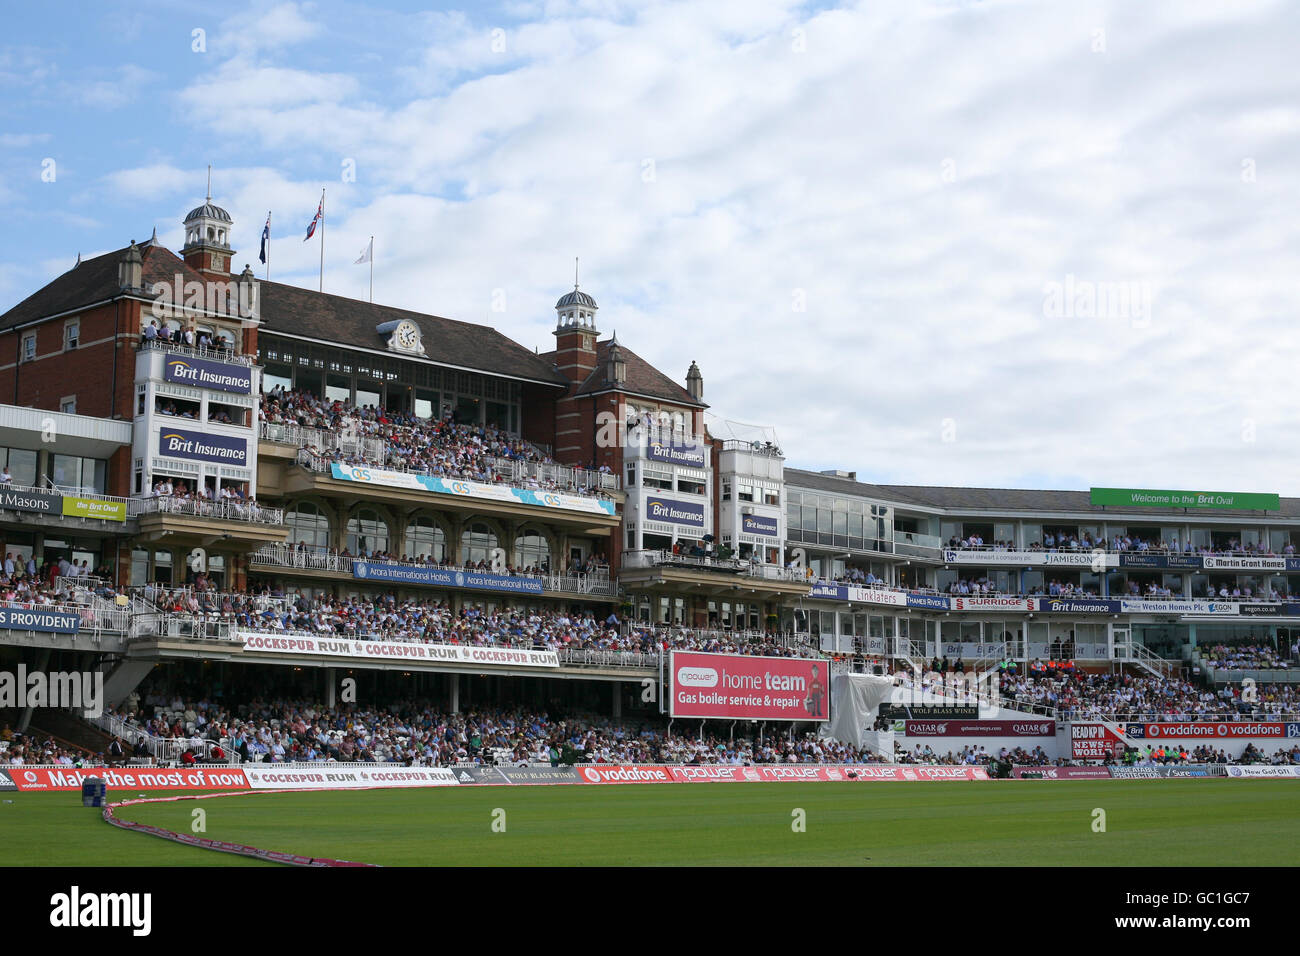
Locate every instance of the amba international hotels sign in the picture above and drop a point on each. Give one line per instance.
(1201, 500)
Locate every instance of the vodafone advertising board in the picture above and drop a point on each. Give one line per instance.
(776, 773)
(132, 778)
(739, 687)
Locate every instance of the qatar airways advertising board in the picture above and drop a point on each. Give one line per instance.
(739, 687)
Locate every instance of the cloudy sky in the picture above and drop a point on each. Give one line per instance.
(1017, 244)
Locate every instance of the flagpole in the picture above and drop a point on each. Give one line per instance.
(268, 246)
(322, 239)
(372, 269)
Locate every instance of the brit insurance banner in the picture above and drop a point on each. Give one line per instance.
(691, 456)
(204, 373)
(469, 489)
(256, 642)
(200, 446)
(760, 524)
(685, 514)
(1073, 605)
(740, 687)
(334, 777)
(443, 577)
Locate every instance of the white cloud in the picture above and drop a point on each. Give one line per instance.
(917, 174)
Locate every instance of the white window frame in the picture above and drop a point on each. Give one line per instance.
(71, 332)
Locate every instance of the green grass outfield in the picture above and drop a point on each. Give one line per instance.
(1148, 822)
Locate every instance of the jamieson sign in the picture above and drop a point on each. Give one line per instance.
(1206, 500)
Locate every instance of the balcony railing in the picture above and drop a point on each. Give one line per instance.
(287, 556)
(514, 471)
(249, 512)
(215, 353)
(592, 658)
(765, 448)
(739, 566)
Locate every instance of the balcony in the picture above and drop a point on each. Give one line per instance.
(202, 521)
(596, 585)
(592, 510)
(711, 574)
(215, 354)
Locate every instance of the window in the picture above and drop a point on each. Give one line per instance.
(68, 405)
(745, 492)
(71, 333)
(29, 347)
(656, 479)
(367, 532)
(308, 525)
(691, 486)
(426, 539)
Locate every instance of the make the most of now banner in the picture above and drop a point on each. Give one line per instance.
(738, 687)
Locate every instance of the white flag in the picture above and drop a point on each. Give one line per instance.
(367, 253)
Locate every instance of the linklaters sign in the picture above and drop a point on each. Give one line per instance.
(1203, 500)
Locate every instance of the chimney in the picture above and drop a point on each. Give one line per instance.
(130, 271)
(695, 382)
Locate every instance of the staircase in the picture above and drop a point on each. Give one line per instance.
(68, 730)
(1154, 665)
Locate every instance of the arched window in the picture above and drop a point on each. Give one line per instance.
(532, 550)
(367, 532)
(425, 539)
(308, 525)
(477, 543)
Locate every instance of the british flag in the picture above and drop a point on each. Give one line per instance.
(320, 214)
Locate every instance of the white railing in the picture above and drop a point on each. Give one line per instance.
(223, 510)
(215, 354)
(741, 566)
(518, 472)
(599, 658)
(287, 556)
(165, 625)
(1139, 654)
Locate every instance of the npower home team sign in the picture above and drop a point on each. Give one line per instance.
(739, 687)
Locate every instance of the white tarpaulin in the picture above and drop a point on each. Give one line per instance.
(855, 700)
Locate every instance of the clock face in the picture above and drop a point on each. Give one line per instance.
(408, 336)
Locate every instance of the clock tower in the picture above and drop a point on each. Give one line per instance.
(207, 239)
